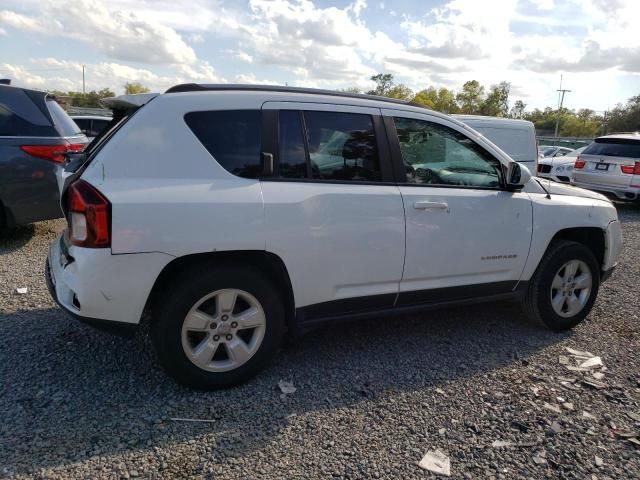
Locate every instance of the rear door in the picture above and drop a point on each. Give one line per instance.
(609, 162)
(332, 210)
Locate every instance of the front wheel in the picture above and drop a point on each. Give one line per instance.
(217, 327)
(564, 287)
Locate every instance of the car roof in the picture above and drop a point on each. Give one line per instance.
(621, 136)
(338, 97)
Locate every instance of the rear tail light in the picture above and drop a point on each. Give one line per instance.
(53, 153)
(631, 169)
(89, 216)
(579, 163)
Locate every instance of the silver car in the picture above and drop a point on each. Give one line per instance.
(611, 164)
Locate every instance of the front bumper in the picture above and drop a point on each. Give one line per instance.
(94, 285)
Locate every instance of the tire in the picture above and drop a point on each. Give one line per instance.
(181, 351)
(538, 305)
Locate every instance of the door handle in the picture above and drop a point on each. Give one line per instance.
(424, 205)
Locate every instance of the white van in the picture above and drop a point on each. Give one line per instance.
(516, 138)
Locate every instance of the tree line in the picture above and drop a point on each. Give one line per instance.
(92, 98)
(476, 99)
(473, 99)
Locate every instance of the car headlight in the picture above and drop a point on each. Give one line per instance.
(560, 169)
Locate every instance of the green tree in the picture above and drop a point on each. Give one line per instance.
(135, 87)
(497, 102)
(400, 91)
(471, 97)
(90, 99)
(441, 100)
(625, 118)
(518, 109)
(384, 83)
(350, 90)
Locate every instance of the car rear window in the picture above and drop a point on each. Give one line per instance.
(232, 137)
(614, 148)
(21, 117)
(66, 127)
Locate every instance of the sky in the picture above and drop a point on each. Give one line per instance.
(594, 44)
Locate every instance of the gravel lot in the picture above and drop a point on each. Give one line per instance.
(372, 396)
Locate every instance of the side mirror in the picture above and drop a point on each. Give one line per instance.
(517, 176)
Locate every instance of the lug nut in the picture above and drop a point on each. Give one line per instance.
(229, 337)
(213, 325)
(234, 324)
(216, 338)
(225, 318)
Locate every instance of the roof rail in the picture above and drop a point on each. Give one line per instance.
(200, 87)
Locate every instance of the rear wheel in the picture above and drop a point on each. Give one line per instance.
(217, 328)
(564, 287)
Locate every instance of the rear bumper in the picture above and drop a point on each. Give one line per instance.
(623, 193)
(94, 285)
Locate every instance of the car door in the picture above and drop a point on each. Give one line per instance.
(332, 210)
(466, 235)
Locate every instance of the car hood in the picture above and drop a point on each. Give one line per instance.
(556, 188)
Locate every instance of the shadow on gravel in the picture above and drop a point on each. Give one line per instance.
(70, 393)
(13, 239)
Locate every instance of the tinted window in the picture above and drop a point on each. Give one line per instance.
(96, 127)
(293, 157)
(437, 155)
(20, 116)
(232, 137)
(83, 124)
(614, 148)
(342, 146)
(66, 127)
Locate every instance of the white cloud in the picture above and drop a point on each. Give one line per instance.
(67, 75)
(119, 34)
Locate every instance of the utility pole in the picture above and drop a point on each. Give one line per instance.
(561, 93)
(83, 90)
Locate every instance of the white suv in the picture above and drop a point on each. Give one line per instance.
(234, 214)
(611, 164)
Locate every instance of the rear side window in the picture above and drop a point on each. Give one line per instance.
(232, 137)
(328, 146)
(97, 126)
(614, 148)
(66, 127)
(21, 117)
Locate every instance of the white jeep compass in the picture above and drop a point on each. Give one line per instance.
(233, 214)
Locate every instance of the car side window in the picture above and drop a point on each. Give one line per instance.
(434, 154)
(328, 146)
(342, 146)
(232, 137)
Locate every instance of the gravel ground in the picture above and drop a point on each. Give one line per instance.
(372, 396)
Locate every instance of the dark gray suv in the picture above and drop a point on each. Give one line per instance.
(35, 135)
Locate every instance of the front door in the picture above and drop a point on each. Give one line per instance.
(466, 235)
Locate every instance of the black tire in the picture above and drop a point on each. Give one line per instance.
(172, 305)
(537, 302)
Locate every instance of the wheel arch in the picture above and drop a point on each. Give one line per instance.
(267, 263)
(594, 238)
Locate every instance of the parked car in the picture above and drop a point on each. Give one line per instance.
(251, 211)
(35, 134)
(611, 164)
(554, 151)
(91, 125)
(559, 168)
(517, 138)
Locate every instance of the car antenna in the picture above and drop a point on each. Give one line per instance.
(545, 190)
